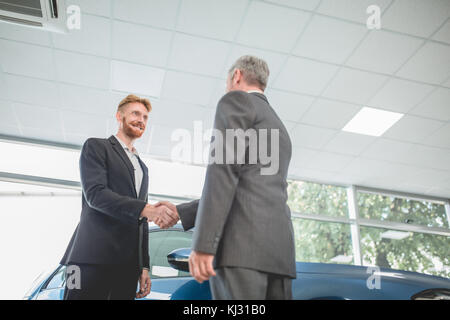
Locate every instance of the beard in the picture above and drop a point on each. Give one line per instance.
(132, 129)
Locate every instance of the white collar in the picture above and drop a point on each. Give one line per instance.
(125, 146)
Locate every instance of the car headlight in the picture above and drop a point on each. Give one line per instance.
(432, 294)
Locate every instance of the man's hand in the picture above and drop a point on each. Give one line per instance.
(145, 284)
(161, 215)
(201, 266)
(173, 208)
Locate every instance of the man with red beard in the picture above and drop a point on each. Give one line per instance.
(108, 253)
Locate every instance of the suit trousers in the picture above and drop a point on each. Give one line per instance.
(234, 283)
(105, 282)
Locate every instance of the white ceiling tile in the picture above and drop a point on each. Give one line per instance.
(440, 138)
(26, 34)
(361, 170)
(354, 86)
(43, 133)
(351, 9)
(430, 64)
(305, 76)
(413, 129)
(177, 115)
(279, 30)
(329, 39)
(428, 177)
(436, 106)
(290, 125)
(38, 117)
(274, 60)
(301, 157)
(97, 7)
(416, 17)
(94, 37)
(311, 137)
(288, 106)
(4, 91)
(88, 100)
(138, 79)
(389, 150)
(330, 161)
(218, 91)
(154, 44)
(430, 157)
(383, 51)
(304, 4)
(349, 143)
(211, 18)
(311, 175)
(78, 123)
(197, 55)
(10, 130)
(158, 13)
(33, 91)
(447, 83)
(188, 88)
(400, 95)
(76, 139)
(7, 116)
(82, 69)
(443, 34)
(330, 114)
(26, 59)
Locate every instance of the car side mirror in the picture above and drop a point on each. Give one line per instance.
(179, 259)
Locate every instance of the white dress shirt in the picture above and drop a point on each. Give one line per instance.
(133, 156)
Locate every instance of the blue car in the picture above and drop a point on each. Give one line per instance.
(169, 252)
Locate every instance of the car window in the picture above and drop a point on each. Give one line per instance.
(57, 281)
(161, 243)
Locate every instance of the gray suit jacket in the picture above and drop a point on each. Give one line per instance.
(242, 217)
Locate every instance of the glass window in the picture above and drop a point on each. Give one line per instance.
(390, 208)
(314, 198)
(326, 242)
(57, 280)
(161, 243)
(419, 252)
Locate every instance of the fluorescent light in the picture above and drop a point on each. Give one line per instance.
(395, 235)
(372, 122)
(342, 259)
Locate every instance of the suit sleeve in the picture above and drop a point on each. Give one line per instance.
(145, 251)
(94, 181)
(234, 111)
(188, 212)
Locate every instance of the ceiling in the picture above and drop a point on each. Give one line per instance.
(325, 66)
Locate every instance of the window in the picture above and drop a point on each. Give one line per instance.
(57, 280)
(317, 241)
(396, 209)
(314, 198)
(161, 243)
(419, 252)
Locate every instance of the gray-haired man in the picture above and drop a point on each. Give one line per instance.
(242, 222)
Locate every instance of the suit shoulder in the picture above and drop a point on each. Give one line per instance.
(235, 94)
(93, 142)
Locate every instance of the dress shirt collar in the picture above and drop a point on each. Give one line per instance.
(133, 150)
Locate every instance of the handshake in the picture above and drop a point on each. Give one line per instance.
(163, 213)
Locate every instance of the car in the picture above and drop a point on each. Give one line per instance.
(169, 253)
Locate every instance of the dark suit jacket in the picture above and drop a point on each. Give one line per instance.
(108, 229)
(242, 217)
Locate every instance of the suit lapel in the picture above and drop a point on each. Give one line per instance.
(144, 186)
(118, 148)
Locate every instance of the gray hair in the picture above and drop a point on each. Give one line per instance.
(254, 70)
